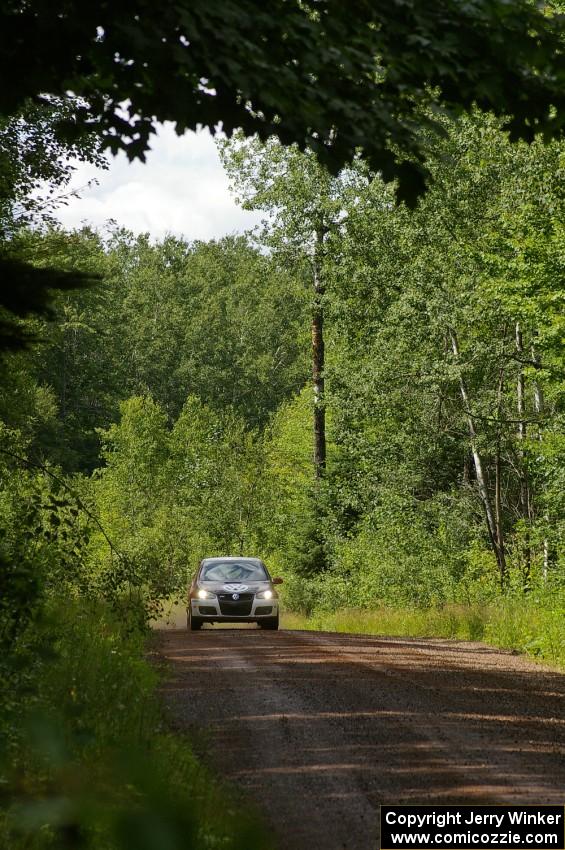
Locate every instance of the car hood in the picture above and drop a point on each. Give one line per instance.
(235, 586)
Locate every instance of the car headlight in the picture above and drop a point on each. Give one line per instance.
(205, 594)
(264, 594)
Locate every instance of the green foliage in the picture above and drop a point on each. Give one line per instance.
(36, 163)
(172, 495)
(400, 519)
(441, 508)
(394, 383)
(245, 341)
(90, 764)
(531, 624)
(43, 533)
(333, 78)
(161, 415)
(299, 195)
(218, 320)
(449, 621)
(36, 167)
(288, 481)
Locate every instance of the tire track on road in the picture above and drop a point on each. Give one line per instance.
(319, 729)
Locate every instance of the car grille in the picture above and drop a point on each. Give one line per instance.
(240, 607)
(264, 609)
(207, 610)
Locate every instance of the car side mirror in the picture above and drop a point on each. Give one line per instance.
(277, 581)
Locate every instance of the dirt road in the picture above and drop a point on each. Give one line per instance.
(319, 729)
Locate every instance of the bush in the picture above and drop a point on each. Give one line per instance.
(531, 623)
(89, 765)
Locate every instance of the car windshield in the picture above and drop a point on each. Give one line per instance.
(233, 571)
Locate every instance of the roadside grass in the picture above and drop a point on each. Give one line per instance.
(525, 625)
(86, 759)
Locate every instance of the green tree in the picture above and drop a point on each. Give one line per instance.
(324, 76)
(304, 204)
(218, 320)
(331, 76)
(441, 321)
(36, 167)
(244, 336)
(171, 495)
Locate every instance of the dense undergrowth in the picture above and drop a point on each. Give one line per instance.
(165, 414)
(530, 624)
(86, 759)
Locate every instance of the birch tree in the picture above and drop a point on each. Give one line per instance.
(434, 315)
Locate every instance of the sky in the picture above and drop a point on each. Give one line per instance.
(181, 189)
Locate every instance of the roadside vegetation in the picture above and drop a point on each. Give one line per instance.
(532, 626)
(87, 761)
(368, 392)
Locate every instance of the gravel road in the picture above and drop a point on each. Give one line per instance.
(318, 729)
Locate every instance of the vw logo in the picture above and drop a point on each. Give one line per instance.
(235, 596)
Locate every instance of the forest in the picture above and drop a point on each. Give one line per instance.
(367, 391)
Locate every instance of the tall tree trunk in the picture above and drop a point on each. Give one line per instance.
(525, 505)
(318, 357)
(479, 471)
(539, 407)
(498, 466)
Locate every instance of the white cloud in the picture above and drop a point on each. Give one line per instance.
(181, 189)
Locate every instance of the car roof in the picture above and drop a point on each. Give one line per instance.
(234, 558)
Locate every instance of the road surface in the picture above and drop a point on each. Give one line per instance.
(318, 729)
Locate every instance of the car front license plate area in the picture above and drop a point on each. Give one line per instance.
(235, 604)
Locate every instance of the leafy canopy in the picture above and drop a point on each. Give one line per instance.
(330, 75)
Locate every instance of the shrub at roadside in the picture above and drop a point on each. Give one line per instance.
(88, 764)
(531, 623)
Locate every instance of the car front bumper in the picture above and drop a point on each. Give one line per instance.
(246, 611)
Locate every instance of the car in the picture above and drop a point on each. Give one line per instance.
(233, 590)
